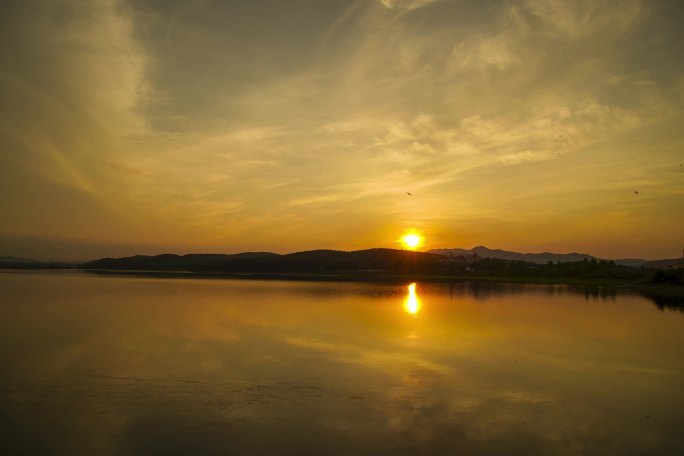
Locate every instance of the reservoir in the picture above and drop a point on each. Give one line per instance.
(120, 365)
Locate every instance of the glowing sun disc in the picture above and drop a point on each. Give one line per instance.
(412, 241)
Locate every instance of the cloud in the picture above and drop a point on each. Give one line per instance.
(157, 113)
(524, 157)
(405, 4)
(572, 20)
(124, 169)
(488, 52)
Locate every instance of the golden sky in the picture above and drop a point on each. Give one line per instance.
(146, 126)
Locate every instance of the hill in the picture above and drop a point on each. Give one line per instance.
(13, 259)
(539, 258)
(313, 261)
(674, 263)
(375, 263)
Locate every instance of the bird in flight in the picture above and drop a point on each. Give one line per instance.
(636, 192)
(409, 194)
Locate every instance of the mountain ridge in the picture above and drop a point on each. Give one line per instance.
(539, 258)
(306, 261)
(14, 259)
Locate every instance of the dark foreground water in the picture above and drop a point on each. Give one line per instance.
(146, 366)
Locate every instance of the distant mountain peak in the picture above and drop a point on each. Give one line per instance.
(13, 259)
(540, 258)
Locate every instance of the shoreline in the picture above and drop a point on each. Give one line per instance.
(370, 277)
(360, 277)
(663, 295)
(390, 278)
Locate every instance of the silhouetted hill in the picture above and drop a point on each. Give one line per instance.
(359, 260)
(633, 262)
(381, 264)
(172, 262)
(539, 258)
(671, 263)
(13, 259)
(371, 262)
(313, 261)
(10, 262)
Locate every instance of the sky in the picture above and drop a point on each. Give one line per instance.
(151, 126)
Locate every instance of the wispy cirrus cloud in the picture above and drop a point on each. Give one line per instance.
(269, 123)
(405, 4)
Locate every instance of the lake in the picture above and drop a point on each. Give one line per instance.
(165, 366)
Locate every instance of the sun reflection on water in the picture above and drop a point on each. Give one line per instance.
(412, 302)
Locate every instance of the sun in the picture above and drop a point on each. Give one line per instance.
(412, 240)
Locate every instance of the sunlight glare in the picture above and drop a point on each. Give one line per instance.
(412, 301)
(412, 240)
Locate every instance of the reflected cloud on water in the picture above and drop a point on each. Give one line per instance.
(142, 365)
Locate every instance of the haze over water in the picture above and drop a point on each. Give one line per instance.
(136, 365)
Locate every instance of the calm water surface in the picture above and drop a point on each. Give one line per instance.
(131, 365)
